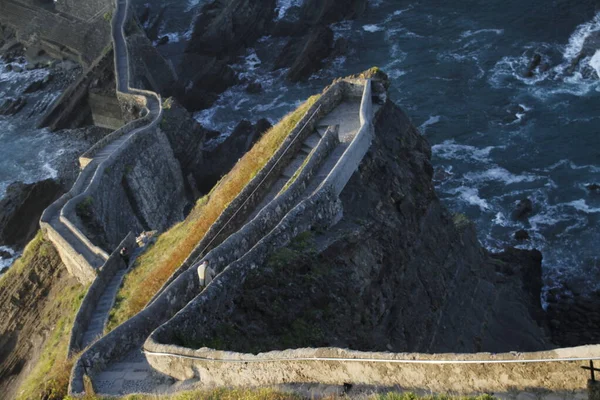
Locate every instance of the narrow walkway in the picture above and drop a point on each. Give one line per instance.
(96, 327)
(346, 116)
(133, 374)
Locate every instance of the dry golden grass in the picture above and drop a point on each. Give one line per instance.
(157, 264)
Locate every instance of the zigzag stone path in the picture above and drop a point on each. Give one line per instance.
(132, 374)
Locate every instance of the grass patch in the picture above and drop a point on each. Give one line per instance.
(461, 221)
(49, 378)
(157, 264)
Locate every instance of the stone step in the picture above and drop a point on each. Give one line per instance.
(312, 141)
(306, 149)
(296, 163)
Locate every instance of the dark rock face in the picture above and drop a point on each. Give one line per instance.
(222, 29)
(535, 62)
(522, 235)
(574, 319)
(12, 106)
(21, 209)
(523, 209)
(206, 165)
(306, 54)
(398, 273)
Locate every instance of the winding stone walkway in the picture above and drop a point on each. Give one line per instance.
(132, 374)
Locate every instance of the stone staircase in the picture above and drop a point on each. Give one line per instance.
(96, 327)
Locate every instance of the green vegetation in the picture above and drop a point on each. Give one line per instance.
(157, 264)
(84, 209)
(107, 16)
(273, 394)
(461, 221)
(49, 377)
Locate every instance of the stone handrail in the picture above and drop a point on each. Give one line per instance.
(320, 208)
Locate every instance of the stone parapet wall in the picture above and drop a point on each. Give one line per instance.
(80, 32)
(106, 111)
(439, 373)
(242, 206)
(90, 301)
(243, 240)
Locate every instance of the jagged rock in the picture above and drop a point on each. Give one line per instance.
(521, 235)
(145, 16)
(254, 88)
(593, 187)
(38, 84)
(305, 55)
(224, 27)
(12, 106)
(397, 272)
(533, 64)
(163, 40)
(154, 25)
(209, 77)
(17, 69)
(21, 209)
(8, 68)
(523, 209)
(5, 255)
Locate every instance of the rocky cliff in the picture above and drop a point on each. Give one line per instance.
(38, 299)
(398, 273)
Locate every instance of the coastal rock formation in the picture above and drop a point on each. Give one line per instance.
(204, 165)
(34, 305)
(398, 273)
(21, 208)
(305, 52)
(222, 29)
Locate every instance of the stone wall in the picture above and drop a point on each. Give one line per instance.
(90, 301)
(184, 287)
(438, 373)
(106, 110)
(243, 240)
(76, 29)
(140, 189)
(242, 206)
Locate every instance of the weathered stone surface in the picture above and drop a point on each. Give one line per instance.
(12, 106)
(21, 208)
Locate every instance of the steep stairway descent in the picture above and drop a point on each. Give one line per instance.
(100, 315)
(346, 117)
(117, 377)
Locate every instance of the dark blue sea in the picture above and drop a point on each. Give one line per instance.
(497, 137)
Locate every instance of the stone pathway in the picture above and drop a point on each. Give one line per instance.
(96, 327)
(132, 375)
(346, 116)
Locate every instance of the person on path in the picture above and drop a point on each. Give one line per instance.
(124, 252)
(205, 274)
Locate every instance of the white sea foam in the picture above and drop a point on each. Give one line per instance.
(432, 120)
(499, 174)
(581, 205)
(595, 62)
(284, 5)
(449, 149)
(471, 196)
(372, 28)
(578, 38)
(469, 33)
(7, 262)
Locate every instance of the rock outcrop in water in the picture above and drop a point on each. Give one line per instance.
(21, 208)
